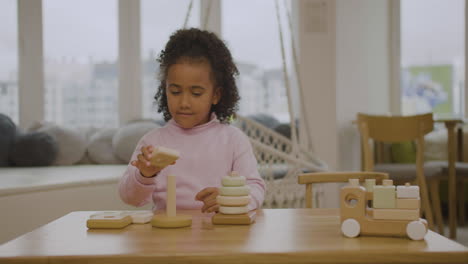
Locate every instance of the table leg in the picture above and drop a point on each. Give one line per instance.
(451, 179)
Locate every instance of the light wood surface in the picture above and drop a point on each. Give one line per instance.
(277, 236)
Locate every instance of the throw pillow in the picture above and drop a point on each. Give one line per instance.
(34, 149)
(71, 144)
(265, 119)
(7, 137)
(403, 152)
(100, 147)
(126, 138)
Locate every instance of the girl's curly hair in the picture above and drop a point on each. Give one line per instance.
(196, 44)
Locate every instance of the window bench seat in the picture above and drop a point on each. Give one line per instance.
(33, 196)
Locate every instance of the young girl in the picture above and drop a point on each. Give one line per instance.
(197, 96)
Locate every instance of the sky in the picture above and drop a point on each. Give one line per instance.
(87, 28)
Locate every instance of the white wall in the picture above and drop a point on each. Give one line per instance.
(362, 70)
(344, 59)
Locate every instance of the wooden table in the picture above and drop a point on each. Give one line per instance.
(278, 236)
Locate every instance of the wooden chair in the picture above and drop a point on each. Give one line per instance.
(329, 177)
(392, 129)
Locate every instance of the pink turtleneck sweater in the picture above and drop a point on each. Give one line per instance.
(207, 153)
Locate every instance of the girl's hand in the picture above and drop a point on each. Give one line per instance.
(143, 163)
(208, 197)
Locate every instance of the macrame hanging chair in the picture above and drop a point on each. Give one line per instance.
(280, 159)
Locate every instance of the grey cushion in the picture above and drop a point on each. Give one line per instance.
(88, 132)
(407, 172)
(126, 138)
(7, 137)
(100, 147)
(71, 144)
(265, 119)
(461, 168)
(34, 149)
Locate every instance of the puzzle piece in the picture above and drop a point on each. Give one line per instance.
(109, 220)
(407, 191)
(384, 195)
(162, 157)
(140, 217)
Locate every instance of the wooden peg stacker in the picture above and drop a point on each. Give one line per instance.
(171, 219)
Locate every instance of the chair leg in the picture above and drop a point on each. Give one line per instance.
(309, 196)
(434, 190)
(426, 204)
(461, 202)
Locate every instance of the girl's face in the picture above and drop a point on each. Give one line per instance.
(190, 92)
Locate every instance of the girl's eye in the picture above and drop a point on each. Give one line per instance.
(197, 94)
(175, 92)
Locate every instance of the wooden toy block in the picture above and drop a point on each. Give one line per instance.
(233, 200)
(369, 184)
(353, 182)
(384, 196)
(407, 191)
(241, 219)
(170, 219)
(109, 220)
(396, 214)
(234, 191)
(408, 203)
(163, 157)
(140, 217)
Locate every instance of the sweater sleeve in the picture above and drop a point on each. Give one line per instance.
(135, 189)
(246, 164)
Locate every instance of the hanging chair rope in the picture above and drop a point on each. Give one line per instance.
(207, 15)
(295, 150)
(187, 16)
(308, 135)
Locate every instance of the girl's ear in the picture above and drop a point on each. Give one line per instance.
(216, 96)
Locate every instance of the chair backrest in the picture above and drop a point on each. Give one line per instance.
(329, 177)
(393, 129)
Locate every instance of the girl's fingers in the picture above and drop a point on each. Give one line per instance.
(212, 195)
(214, 208)
(143, 160)
(203, 194)
(208, 204)
(147, 151)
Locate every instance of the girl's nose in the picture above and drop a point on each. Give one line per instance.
(185, 100)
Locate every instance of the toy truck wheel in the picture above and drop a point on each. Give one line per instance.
(416, 230)
(350, 228)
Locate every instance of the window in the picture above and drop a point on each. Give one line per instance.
(250, 29)
(159, 19)
(80, 57)
(9, 61)
(432, 56)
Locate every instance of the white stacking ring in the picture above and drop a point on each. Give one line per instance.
(234, 191)
(233, 200)
(233, 209)
(233, 181)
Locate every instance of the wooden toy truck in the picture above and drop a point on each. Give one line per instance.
(396, 215)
